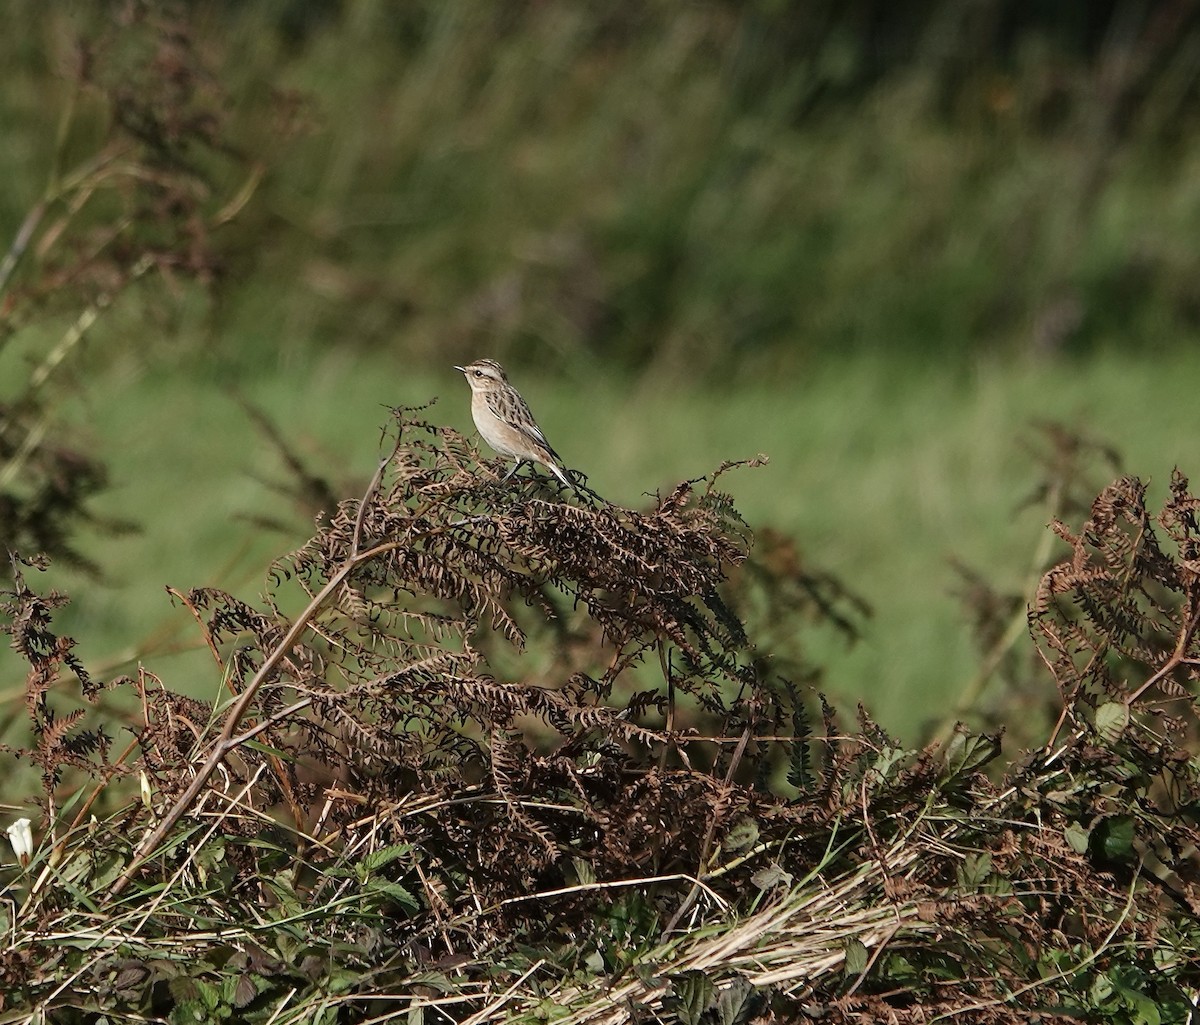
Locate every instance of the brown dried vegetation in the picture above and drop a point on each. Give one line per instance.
(507, 740)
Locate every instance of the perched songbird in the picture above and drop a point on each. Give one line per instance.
(504, 419)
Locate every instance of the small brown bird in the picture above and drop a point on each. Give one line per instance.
(504, 420)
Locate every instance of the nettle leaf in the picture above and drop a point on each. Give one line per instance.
(209, 994)
(1077, 837)
(743, 834)
(394, 891)
(737, 1002)
(770, 876)
(130, 978)
(857, 957)
(1111, 719)
(890, 760)
(1112, 838)
(376, 860)
(693, 995)
(188, 1012)
(968, 752)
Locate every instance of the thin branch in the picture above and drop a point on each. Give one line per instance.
(227, 742)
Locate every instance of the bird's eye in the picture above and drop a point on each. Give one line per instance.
(478, 373)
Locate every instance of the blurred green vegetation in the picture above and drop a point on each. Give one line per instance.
(871, 240)
(704, 187)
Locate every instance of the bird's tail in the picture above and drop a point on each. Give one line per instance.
(558, 472)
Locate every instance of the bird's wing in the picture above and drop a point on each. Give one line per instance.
(520, 418)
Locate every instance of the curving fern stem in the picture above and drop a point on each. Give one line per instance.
(227, 741)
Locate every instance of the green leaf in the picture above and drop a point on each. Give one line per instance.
(1130, 985)
(857, 957)
(188, 1012)
(1101, 990)
(107, 869)
(209, 994)
(889, 760)
(771, 876)
(899, 967)
(743, 834)
(693, 995)
(585, 871)
(289, 945)
(967, 752)
(1113, 837)
(1077, 837)
(374, 861)
(1111, 719)
(342, 980)
(1146, 1011)
(974, 870)
(737, 1002)
(394, 891)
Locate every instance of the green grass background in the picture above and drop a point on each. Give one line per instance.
(882, 471)
(875, 244)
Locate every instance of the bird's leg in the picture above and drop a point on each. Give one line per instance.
(516, 467)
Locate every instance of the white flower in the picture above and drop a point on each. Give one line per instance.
(147, 795)
(21, 838)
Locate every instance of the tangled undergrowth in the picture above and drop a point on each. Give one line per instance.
(488, 753)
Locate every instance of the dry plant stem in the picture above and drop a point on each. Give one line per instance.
(227, 742)
(1178, 657)
(664, 660)
(617, 884)
(884, 940)
(221, 816)
(706, 846)
(21, 242)
(188, 604)
(60, 845)
(276, 762)
(1062, 716)
(483, 1014)
(1018, 628)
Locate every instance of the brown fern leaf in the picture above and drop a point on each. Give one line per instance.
(1120, 615)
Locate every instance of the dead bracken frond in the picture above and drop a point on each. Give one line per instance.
(1117, 622)
(505, 752)
(416, 594)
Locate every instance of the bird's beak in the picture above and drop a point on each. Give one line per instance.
(463, 369)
